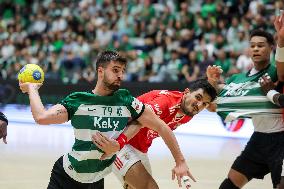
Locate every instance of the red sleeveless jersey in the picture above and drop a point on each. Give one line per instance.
(166, 105)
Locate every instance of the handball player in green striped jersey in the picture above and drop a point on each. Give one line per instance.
(243, 97)
(105, 111)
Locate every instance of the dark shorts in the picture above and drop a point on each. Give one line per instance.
(60, 180)
(263, 154)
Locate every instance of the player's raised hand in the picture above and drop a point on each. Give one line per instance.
(181, 172)
(26, 87)
(108, 145)
(279, 26)
(213, 73)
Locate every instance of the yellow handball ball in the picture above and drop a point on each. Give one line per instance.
(31, 73)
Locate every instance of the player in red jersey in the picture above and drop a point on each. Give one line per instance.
(174, 108)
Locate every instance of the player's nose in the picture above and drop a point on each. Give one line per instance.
(200, 105)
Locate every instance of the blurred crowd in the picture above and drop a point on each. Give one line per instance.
(164, 40)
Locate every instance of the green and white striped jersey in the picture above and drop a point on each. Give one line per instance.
(242, 97)
(90, 113)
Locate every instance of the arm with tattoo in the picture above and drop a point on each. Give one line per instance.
(55, 115)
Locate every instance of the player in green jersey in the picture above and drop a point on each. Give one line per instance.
(267, 84)
(106, 109)
(275, 92)
(272, 90)
(279, 57)
(242, 96)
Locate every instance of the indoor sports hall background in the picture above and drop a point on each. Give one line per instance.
(168, 43)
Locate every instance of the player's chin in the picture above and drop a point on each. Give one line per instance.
(194, 113)
(191, 113)
(114, 87)
(257, 59)
(116, 83)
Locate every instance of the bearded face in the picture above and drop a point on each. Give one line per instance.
(110, 84)
(194, 102)
(112, 76)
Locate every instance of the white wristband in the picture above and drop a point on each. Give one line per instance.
(270, 95)
(279, 55)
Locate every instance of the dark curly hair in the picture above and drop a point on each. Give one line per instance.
(205, 85)
(106, 57)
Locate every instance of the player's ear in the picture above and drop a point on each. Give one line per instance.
(186, 91)
(100, 69)
(212, 107)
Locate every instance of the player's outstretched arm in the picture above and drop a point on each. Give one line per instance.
(152, 121)
(279, 56)
(132, 129)
(111, 146)
(55, 115)
(213, 74)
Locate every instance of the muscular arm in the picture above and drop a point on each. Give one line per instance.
(213, 74)
(280, 70)
(111, 146)
(152, 121)
(279, 26)
(280, 65)
(55, 115)
(132, 129)
(219, 87)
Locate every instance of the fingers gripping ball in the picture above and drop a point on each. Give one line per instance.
(31, 73)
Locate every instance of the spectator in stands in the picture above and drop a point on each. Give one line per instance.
(190, 70)
(170, 71)
(28, 27)
(244, 62)
(205, 62)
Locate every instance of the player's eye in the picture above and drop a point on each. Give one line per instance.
(198, 97)
(115, 70)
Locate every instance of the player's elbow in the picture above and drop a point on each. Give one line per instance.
(41, 120)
